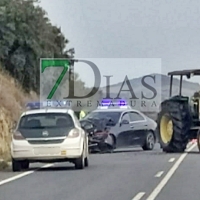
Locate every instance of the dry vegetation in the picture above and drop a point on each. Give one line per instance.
(12, 101)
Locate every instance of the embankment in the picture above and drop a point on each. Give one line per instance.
(12, 101)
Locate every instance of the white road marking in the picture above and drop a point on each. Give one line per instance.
(159, 174)
(171, 160)
(138, 196)
(164, 181)
(46, 166)
(23, 174)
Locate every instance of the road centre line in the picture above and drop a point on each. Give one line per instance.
(23, 174)
(167, 177)
(152, 195)
(159, 174)
(139, 196)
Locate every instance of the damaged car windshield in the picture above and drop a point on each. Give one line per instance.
(114, 116)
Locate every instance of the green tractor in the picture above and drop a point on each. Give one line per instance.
(179, 117)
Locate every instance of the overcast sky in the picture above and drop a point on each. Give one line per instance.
(165, 29)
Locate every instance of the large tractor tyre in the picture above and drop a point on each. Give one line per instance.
(174, 122)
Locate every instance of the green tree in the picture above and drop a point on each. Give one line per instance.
(26, 35)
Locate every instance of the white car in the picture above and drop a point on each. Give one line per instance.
(49, 135)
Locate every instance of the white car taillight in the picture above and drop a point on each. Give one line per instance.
(73, 133)
(18, 136)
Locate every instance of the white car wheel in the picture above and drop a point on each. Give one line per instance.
(25, 164)
(16, 165)
(80, 162)
(86, 160)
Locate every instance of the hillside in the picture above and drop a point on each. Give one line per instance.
(161, 85)
(12, 101)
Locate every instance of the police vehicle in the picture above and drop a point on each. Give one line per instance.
(47, 132)
(125, 126)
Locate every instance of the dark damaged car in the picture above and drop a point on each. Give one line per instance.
(120, 128)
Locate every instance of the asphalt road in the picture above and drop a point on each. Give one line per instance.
(130, 175)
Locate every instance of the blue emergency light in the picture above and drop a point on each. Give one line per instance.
(111, 103)
(107, 104)
(33, 105)
(48, 104)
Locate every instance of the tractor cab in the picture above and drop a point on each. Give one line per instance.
(193, 101)
(195, 106)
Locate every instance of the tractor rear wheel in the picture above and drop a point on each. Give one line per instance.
(174, 122)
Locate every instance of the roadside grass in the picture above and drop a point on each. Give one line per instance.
(12, 101)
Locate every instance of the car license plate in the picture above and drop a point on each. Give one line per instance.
(46, 151)
(63, 152)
